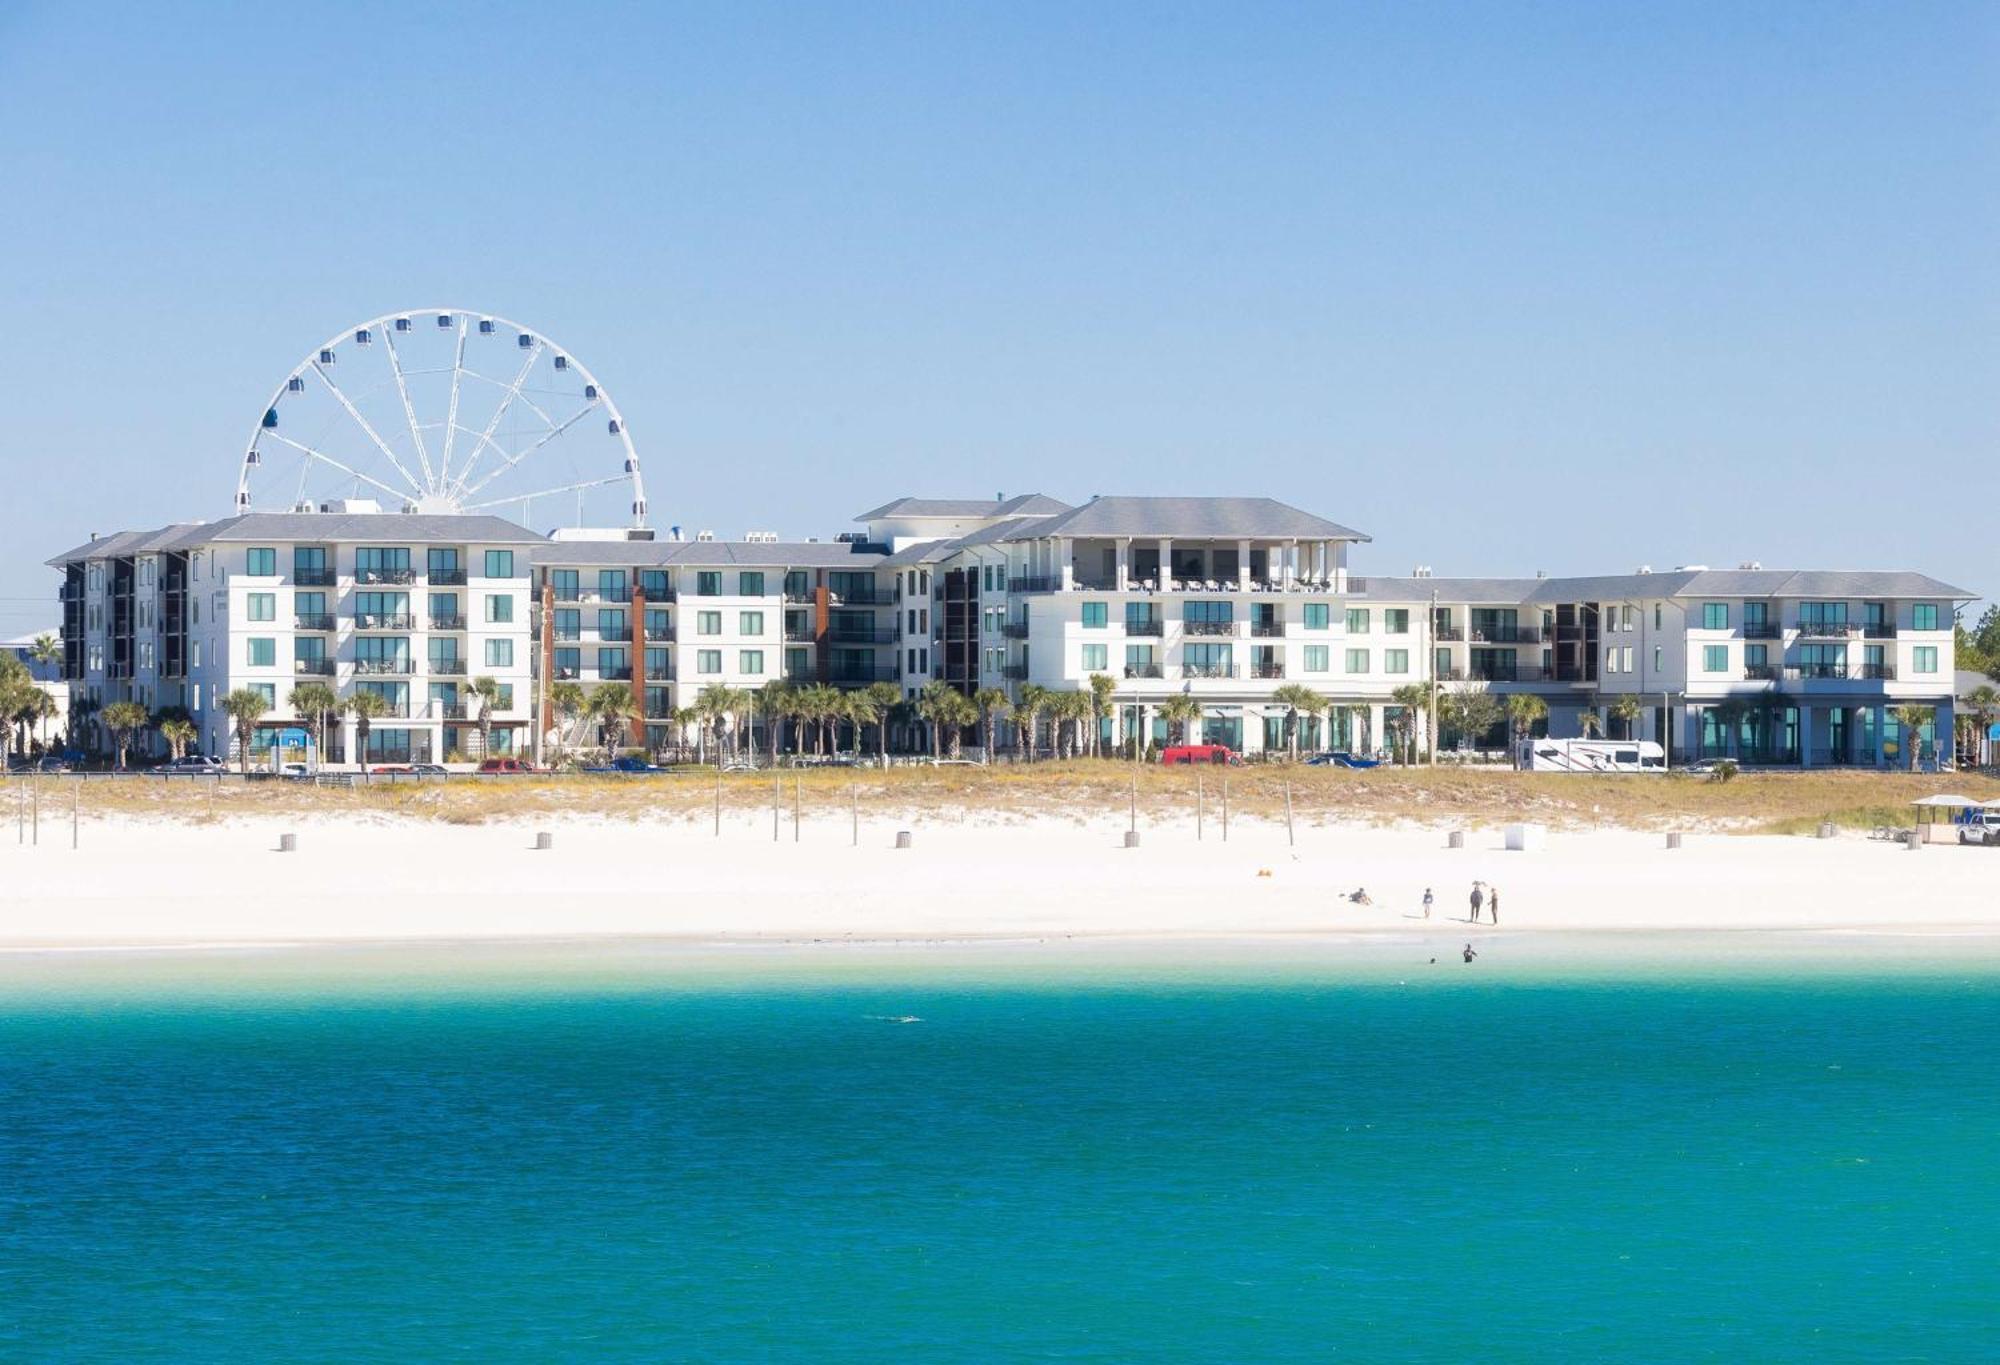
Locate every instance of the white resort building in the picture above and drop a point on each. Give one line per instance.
(1224, 600)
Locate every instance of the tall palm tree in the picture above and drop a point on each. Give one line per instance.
(45, 649)
(313, 702)
(1414, 700)
(861, 708)
(933, 708)
(1626, 711)
(1103, 687)
(774, 704)
(1179, 711)
(958, 713)
(1028, 704)
(1910, 720)
(1523, 710)
(822, 701)
(487, 692)
(611, 706)
(36, 711)
(886, 696)
(570, 702)
(124, 719)
(713, 703)
(1295, 698)
(178, 734)
(1589, 723)
(246, 706)
(1982, 704)
(992, 703)
(686, 718)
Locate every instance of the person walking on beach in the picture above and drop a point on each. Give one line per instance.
(1427, 902)
(1478, 899)
(1493, 904)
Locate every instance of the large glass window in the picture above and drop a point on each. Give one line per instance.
(566, 584)
(1357, 661)
(1395, 661)
(499, 563)
(443, 565)
(659, 663)
(708, 623)
(611, 585)
(1209, 661)
(1755, 614)
(1396, 620)
(262, 606)
(750, 661)
(708, 661)
(569, 662)
(708, 583)
(1715, 616)
(1715, 658)
(613, 663)
(263, 652)
(797, 583)
(1318, 615)
(382, 564)
(612, 623)
(1924, 659)
(653, 582)
(499, 608)
(1208, 613)
(750, 583)
(260, 563)
(569, 623)
(1357, 620)
(1317, 658)
(795, 663)
(1924, 616)
(750, 623)
(309, 648)
(1096, 658)
(499, 653)
(1823, 613)
(1096, 615)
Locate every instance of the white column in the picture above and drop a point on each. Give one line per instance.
(1291, 562)
(1065, 564)
(1805, 735)
(1377, 725)
(1880, 719)
(1166, 562)
(1124, 562)
(1243, 565)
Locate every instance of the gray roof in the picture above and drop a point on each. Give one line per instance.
(932, 551)
(254, 527)
(702, 553)
(1833, 584)
(1448, 589)
(1028, 504)
(1195, 518)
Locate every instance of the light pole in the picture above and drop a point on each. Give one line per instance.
(1431, 636)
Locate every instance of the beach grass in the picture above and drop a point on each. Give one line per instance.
(1084, 790)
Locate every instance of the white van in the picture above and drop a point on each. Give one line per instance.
(1980, 826)
(1595, 756)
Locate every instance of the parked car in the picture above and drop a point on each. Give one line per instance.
(429, 769)
(1342, 759)
(392, 770)
(1175, 755)
(1980, 827)
(625, 763)
(506, 765)
(191, 765)
(296, 772)
(53, 765)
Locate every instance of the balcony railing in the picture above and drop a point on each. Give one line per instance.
(799, 599)
(447, 578)
(857, 635)
(316, 622)
(863, 597)
(1495, 673)
(1827, 630)
(1762, 630)
(799, 635)
(664, 634)
(1451, 675)
(385, 576)
(1267, 670)
(1815, 672)
(1036, 583)
(1447, 633)
(1015, 672)
(1211, 671)
(1209, 627)
(1506, 635)
(1760, 672)
(616, 674)
(317, 668)
(401, 667)
(448, 623)
(1144, 671)
(1877, 672)
(1268, 629)
(450, 668)
(313, 578)
(566, 633)
(381, 620)
(1015, 630)
(1879, 630)
(1151, 625)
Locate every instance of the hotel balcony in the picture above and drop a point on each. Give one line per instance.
(367, 576)
(1267, 670)
(1760, 673)
(321, 623)
(1151, 626)
(317, 668)
(1827, 630)
(1015, 630)
(313, 578)
(448, 578)
(1447, 633)
(450, 668)
(1506, 635)
(851, 635)
(448, 624)
(1879, 630)
(1268, 629)
(1145, 671)
(379, 620)
(390, 667)
(662, 635)
(863, 597)
(1763, 631)
(1211, 671)
(1209, 628)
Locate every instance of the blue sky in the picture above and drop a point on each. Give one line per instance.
(1511, 287)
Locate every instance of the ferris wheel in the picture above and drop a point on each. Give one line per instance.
(445, 410)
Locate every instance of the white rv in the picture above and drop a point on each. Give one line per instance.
(1595, 756)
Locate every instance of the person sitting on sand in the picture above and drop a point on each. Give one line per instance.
(1360, 896)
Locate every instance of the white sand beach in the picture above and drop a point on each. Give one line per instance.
(137, 882)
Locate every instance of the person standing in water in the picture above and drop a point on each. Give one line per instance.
(1478, 899)
(1427, 902)
(1469, 954)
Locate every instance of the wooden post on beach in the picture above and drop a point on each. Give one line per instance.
(854, 806)
(1289, 838)
(1225, 807)
(795, 807)
(777, 801)
(718, 803)
(1200, 804)
(75, 806)
(1135, 799)
(35, 816)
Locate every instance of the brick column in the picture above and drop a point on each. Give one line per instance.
(639, 656)
(821, 616)
(548, 679)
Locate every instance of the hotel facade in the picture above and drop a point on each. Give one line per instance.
(1226, 600)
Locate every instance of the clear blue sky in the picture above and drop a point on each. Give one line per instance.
(1511, 287)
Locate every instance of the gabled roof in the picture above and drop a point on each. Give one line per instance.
(1025, 504)
(655, 554)
(1448, 589)
(1831, 583)
(934, 551)
(1195, 518)
(1834, 584)
(390, 527)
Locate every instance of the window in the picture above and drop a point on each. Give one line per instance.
(1715, 616)
(309, 603)
(708, 583)
(653, 582)
(1823, 614)
(566, 584)
(569, 623)
(1754, 614)
(1316, 658)
(750, 661)
(1656, 616)
(612, 623)
(708, 661)
(499, 563)
(1715, 658)
(750, 623)
(798, 583)
(263, 653)
(263, 606)
(1096, 658)
(269, 691)
(1756, 656)
(1096, 615)
(613, 663)
(1924, 658)
(1208, 613)
(1357, 621)
(750, 583)
(1357, 661)
(442, 566)
(659, 663)
(261, 563)
(1659, 658)
(1396, 620)
(795, 663)
(1395, 661)
(499, 653)
(611, 585)
(500, 608)
(1318, 614)
(309, 648)
(1924, 616)
(708, 623)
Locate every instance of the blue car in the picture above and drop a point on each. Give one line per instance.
(627, 764)
(1343, 759)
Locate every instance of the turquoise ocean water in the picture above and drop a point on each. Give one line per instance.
(1228, 1155)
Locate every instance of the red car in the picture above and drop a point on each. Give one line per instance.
(1178, 754)
(506, 765)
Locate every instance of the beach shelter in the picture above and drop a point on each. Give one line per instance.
(1937, 814)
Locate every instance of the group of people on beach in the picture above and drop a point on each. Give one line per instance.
(1485, 896)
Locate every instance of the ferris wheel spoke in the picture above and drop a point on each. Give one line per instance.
(451, 413)
(354, 412)
(409, 408)
(493, 425)
(547, 436)
(325, 458)
(545, 493)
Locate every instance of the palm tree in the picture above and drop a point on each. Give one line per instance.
(933, 708)
(1414, 699)
(1295, 697)
(992, 703)
(1523, 710)
(1730, 712)
(686, 718)
(36, 712)
(1627, 710)
(886, 696)
(178, 734)
(712, 704)
(569, 701)
(823, 705)
(487, 690)
(1982, 704)
(313, 702)
(610, 705)
(1103, 687)
(1911, 721)
(246, 706)
(1067, 710)
(45, 649)
(366, 707)
(123, 719)
(1179, 711)
(959, 712)
(1589, 723)
(773, 703)
(1028, 705)
(1474, 710)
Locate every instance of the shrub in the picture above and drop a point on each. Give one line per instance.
(1724, 771)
